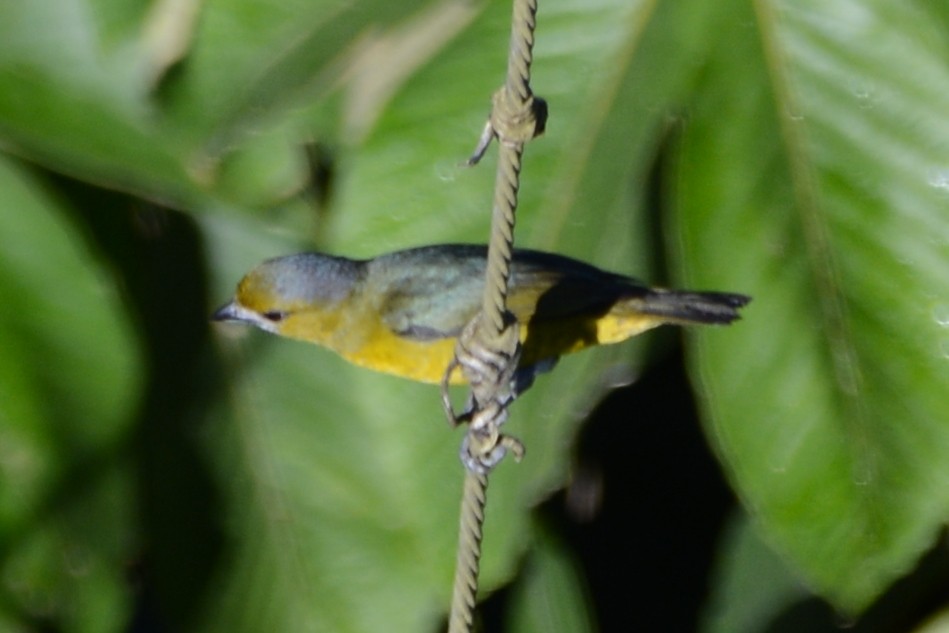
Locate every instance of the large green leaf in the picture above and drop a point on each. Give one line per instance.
(85, 88)
(814, 179)
(750, 585)
(549, 596)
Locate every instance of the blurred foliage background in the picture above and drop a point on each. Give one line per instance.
(790, 472)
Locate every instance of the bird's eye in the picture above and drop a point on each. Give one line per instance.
(274, 315)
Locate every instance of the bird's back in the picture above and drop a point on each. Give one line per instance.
(432, 292)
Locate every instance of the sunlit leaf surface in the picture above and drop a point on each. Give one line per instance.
(819, 193)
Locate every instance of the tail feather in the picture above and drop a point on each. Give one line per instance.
(693, 307)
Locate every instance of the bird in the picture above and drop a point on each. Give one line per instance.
(402, 312)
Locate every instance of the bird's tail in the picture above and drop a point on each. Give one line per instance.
(676, 306)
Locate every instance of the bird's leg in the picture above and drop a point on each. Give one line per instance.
(490, 368)
(484, 446)
(454, 418)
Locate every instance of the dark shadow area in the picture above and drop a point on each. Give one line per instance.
(647, 549)
(644, 511)
(321, 164)
(159, 258)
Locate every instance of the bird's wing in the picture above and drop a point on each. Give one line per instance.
(428, 293)
(547, 287)
(433, 292)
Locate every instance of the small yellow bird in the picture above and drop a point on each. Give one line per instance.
(401, 313)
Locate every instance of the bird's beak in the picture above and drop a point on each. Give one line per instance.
(229, 312)
(237, 313)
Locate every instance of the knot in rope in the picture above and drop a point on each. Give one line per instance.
(514, 120)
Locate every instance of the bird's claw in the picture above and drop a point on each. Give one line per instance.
(491, 371)
(481, 458)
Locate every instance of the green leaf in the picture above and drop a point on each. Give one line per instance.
(814, 180)
(937, 624)
(750, 585)
(69, 382)
(91, 96)
(549, 595)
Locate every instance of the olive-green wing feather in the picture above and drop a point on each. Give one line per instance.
(428, 293)
(433, 292)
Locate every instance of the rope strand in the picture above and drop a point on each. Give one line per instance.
(469, 556)
(521, 52)
(501, 246)
(489, 348)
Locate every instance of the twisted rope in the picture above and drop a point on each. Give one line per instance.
(501, 246)
(467, 563)
(488, 349)
(521, 54)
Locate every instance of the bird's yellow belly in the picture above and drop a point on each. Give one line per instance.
(426, 361)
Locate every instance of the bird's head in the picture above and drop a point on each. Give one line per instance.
(297, 295)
